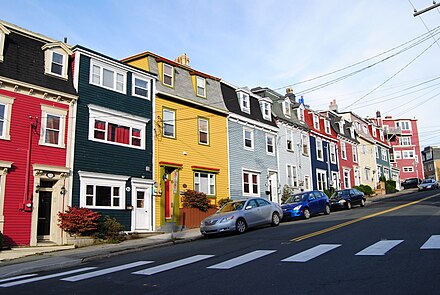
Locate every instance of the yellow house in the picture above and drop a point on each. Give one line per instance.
(190, 134)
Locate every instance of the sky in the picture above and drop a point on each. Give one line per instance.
(368, 55)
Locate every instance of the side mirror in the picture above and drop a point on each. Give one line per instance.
(248, 207)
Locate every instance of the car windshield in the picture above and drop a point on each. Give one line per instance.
(232, 206)
(427, 181)
(296, 198)
(340, 193)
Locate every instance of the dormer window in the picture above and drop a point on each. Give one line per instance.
(374, 131)
(266, 110)
(352, 132)
(56, 57)
(327, 126)
(3, 32)
(287, 108)
(244, 102)
(301, 114)
(381, 135)
(168, 75)
(201, 86)
(316, 121)
(341, 126)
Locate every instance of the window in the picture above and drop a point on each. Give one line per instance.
(201, 86)
(108, 77)
(408, 154)
(384, 154)
(168, 75)
(333, 153)
(248, 138)
(341, 126)
(404, 125)
(335, 180)
(374, 131)
(169, 123)
(270, 142)
(244, 102)
(316, 121)
(57, 64)
(405, 140)
(266, 110)
(103, 191)
(321, 180)
(306, 182)
(327, 126)
(204, 182)
(347, 178)
(376, 149)
(52, 126)
(319, 150)
(3, 32)
(397, 155)
(292, 175)
(5, 116)
(386, 173)
(305, 144)
(140, 86)
(354, 151)
(352, 132)
(381, 135)
(114, 127)
(357, 177)
(367, 174)
(365, 129)
(251, 183)
(203, 131)
(408, 169)
(287, 108)
(343, 151)
(289, 140)
(301, 114)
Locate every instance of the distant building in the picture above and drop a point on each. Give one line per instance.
(431, 162)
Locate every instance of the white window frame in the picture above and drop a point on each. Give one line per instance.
(7, 102)
(119, 118)
(376, 150)
(332, 153)
(403, 125)
(287, 109)
(316, 121)
(210, 182)
(301, 114)
(116, 73)
(408, 169)
(251, 184)
(374, 131)
(327, 126)
(203, 131)
(292, 175)
(270, 137)
(3, 32)
(100, 179)
(305, 144)
(343, 151)
(357, 177)
(354, 152)
(397, 155)
(321, 180)
(367, 173)
(251, 132)
(168, 122)
(134, 86)
(56, 112)
(405, 140)
(167, 75)
(201, 85)
(289, 140)
(347, 178)
(319, 150)
(384, 154)
(245, 102)
(382, 137)
(266, 110)
(306, 182)
(408, 154)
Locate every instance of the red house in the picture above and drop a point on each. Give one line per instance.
(36, 102)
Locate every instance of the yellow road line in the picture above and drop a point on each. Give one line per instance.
(326, 230)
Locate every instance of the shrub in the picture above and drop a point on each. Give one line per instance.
(390, 186)
(78, 221)
(223, 201)
(287, 192)
(193, 199)
(366, 189)
(382, 178)
(329, 192)
(110, 229)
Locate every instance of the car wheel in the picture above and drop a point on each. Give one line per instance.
(306, 213)
(327, 210)
(275, 219)
(348, 206)
(362, 203)
(240, 226)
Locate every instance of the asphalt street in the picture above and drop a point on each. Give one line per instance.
(392, 246)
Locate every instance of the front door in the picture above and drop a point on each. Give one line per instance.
(143, 208)
(44, 212)
(273, 187)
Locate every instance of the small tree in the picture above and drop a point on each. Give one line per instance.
(193, 199)
(110, 229)
(287, 192)
(78, 221)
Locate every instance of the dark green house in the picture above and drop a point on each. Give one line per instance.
(112, 158)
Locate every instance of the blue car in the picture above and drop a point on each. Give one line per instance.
(306, 204)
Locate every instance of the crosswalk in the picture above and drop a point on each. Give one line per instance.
(379, 248)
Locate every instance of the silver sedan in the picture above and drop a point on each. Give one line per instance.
(239, 215)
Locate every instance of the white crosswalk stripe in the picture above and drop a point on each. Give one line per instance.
(18, 277)
(171, 265)
(311, 253)
(30, 280)
(432, 243)
(379, 248)
(105, 271)
(242, 259)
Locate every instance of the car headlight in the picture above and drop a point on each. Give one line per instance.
(341, 201)
(226, 219)
(297, 208)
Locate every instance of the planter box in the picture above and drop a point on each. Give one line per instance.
(191, 217)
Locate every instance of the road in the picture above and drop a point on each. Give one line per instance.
(389, 247)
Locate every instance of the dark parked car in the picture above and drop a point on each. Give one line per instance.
(346, 198)
(428, 184)
(411, 182)
(305, 205)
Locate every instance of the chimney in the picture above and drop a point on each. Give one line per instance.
(183, 60)
(290, 94)
(289, 90)
(65, 40)
(333, 106)
(378, 116)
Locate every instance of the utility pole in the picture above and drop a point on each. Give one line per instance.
(434, 5)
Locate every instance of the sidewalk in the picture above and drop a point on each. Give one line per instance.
(18, 261)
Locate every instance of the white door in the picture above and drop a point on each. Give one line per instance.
(142, 208)
(273, 185)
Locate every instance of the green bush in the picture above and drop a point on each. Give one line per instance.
(110, 229)
(287, 192)
(329, 192)
(390, 186)
(193, 199)
(366, 189)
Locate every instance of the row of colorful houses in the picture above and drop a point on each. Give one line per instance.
(127, 138)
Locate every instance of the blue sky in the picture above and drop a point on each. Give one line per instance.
(273, 43)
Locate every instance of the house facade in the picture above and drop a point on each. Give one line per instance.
(190, 131)
(252, 137)
(37, 99)
(293, 144)
(431, 162)
(403, 135)
(113, 153)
